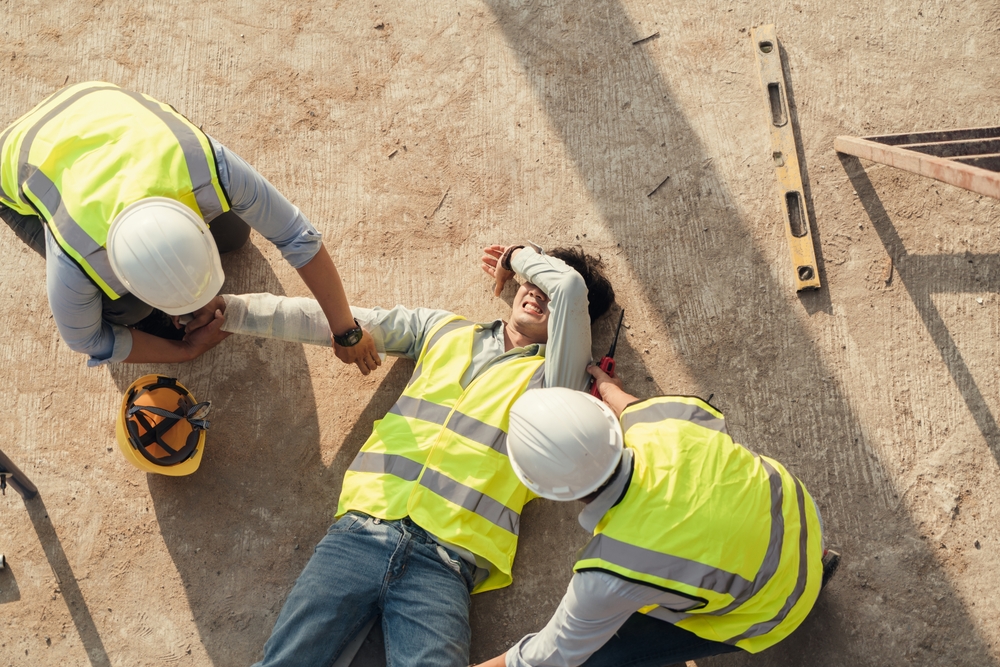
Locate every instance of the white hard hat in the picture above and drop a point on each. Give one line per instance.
(164, 254)
(563, 444)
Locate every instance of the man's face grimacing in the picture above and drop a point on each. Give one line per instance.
(530, 313)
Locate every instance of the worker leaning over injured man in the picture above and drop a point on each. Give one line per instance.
(700, 547)
(130, 204)
(430, 508)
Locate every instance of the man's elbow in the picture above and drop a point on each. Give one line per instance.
(96, 346)
(588, 270)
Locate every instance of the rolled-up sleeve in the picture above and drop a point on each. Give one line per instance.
(260, 205)
(567, 351)
(77, 310)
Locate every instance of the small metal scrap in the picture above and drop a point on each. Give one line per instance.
(646, 39)
(662, 183)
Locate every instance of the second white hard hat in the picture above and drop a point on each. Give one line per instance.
(164, 254)
(563, 444)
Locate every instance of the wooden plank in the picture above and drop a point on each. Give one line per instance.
(955, 173)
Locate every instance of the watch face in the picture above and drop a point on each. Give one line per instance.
(350, 338)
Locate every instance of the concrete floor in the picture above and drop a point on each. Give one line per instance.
(413, 134)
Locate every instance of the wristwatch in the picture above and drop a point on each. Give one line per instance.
(351, 337)
(505, 257)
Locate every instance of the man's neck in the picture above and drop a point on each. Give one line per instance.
(513, 338)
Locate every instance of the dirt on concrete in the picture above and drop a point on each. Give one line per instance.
(412, 134)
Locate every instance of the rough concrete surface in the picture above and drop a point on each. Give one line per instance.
(414, 133)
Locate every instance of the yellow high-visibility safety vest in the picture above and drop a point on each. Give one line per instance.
(91, 149)
(706, 518)
(440, 454)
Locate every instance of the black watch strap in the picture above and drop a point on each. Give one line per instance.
(505, 257)
(351, 337)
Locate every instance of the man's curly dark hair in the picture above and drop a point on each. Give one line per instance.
(600, 293)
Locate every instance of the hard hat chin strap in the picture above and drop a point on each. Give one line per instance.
(136, 416)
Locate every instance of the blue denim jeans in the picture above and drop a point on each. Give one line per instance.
(644, 641)
(363, 568)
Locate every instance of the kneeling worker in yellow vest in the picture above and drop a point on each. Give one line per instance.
(131, 204)
(700, 547)
(430, 509)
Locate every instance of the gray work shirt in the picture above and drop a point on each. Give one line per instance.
(76, 301)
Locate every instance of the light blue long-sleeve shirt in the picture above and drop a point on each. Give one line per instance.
(76, 301)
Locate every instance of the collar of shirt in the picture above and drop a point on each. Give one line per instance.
(496, 332)
(608, 498)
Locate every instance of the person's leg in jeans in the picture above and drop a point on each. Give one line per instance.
(425, 613)
(334, 597)
(644, 641)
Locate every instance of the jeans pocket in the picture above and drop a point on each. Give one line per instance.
(349, 523)
(457, 565)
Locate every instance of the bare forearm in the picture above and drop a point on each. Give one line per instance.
(617, 398)
(321, 277)
(147, 348)
(499, 661)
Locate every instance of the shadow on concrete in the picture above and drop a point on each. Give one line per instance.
(242, 527)
(924, 275)
(9, 590)
(812, 300)
(69, 588)
(619, 123)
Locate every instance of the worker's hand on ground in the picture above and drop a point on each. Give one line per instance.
(364, 354)
(204, 338)
(610, 389)
(200, 317)
(491, 265)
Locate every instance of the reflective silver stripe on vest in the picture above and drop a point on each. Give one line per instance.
(800, 583)
(478, 431)
(46, 191)
(683, 411)
(462, 424)
(447, 328)
(776, 539)
(537, 380)
(472, 500)
(386, 464)
(418, 408)
(664, 566)
(194, 155)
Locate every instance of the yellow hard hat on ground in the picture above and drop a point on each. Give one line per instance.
(161, 428)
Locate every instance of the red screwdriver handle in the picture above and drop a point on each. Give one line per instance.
(608, 366)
